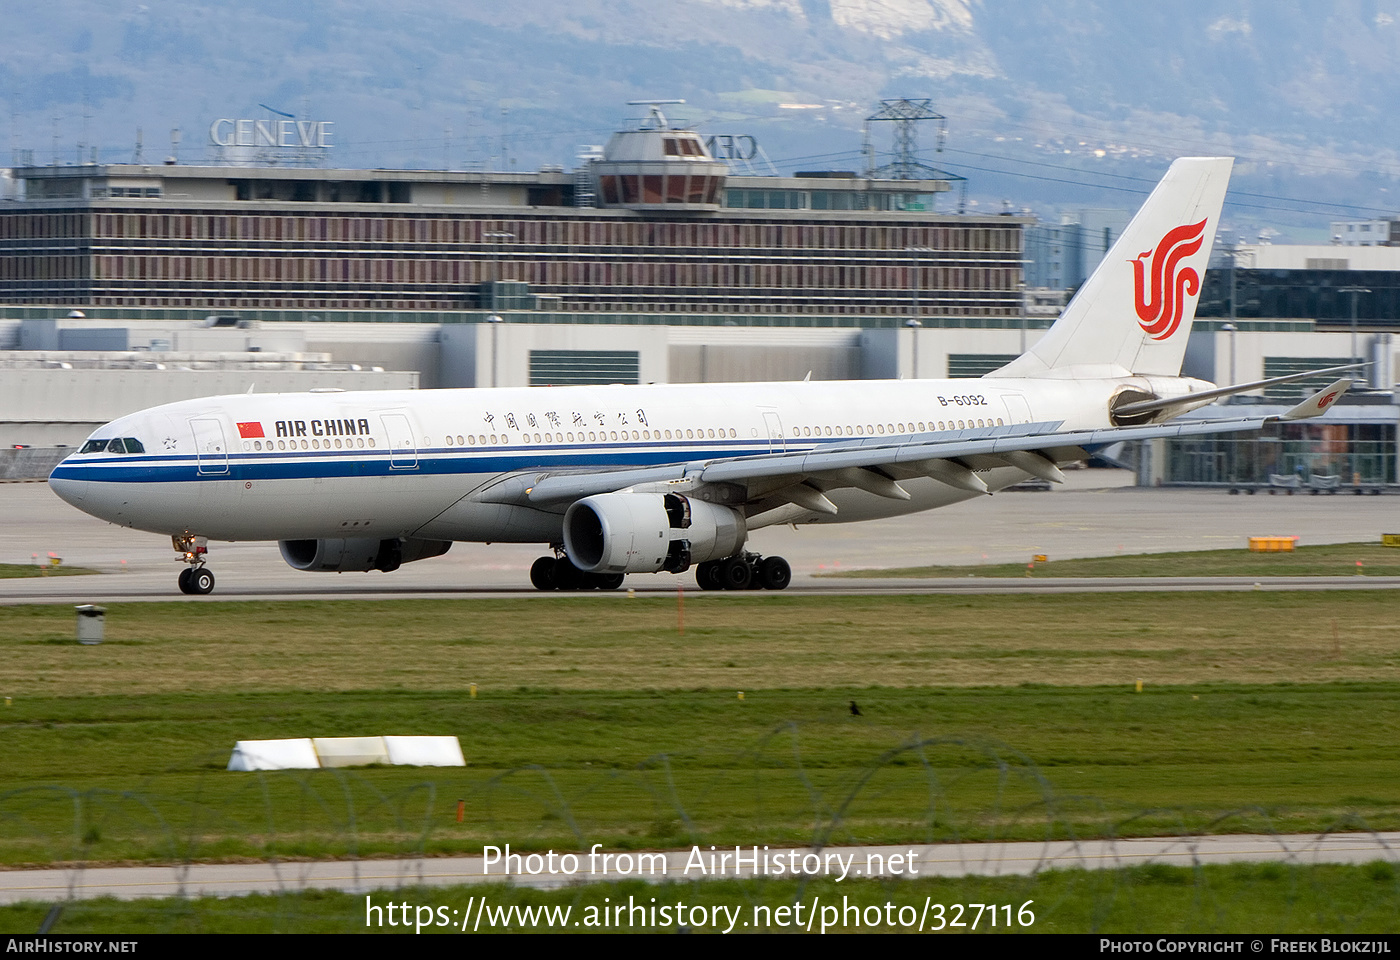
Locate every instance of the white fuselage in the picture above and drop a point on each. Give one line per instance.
(414, 463)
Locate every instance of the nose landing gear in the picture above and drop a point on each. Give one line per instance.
(195, 578)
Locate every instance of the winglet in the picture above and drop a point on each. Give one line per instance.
(1318, 403)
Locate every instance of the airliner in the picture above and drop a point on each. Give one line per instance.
(625, 479)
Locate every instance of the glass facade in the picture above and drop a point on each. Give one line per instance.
(166, 253)
(1305, 294)
(1354, 452)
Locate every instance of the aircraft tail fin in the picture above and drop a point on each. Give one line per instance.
(1133, 315)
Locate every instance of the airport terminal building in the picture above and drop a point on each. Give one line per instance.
(653, 225)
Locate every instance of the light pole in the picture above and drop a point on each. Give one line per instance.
(1234, 262)
(495, 321)
(914, 322)
(1354, 291)
(1231, 328)
(1021, 305)
(496, 236)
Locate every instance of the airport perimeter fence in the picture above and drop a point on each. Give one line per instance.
(951, 790)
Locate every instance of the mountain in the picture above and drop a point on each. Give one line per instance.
(1049, 105)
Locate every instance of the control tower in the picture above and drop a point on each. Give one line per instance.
(658, 167)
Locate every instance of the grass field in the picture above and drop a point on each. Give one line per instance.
(743, 642)
(597, 721)
(1327, 560)
(1240, 898)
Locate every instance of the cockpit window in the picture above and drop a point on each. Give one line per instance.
(119, 445)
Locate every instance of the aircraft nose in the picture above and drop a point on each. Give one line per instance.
(70, 487)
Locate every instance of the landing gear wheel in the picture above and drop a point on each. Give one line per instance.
(607, 581)
(542, 573)
(201, 580)
(566, 575)
(184, 580)
(774, 573)
(735, 573)
(707, 575)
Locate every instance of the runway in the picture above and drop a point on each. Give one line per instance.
(914, 860)
(1093, 514)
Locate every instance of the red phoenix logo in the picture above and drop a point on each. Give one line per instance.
(1160, 313)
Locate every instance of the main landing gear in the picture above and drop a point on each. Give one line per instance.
(195, 578)
(559, 573)
(745, 571)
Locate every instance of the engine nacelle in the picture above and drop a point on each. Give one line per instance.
(340, 556)
(647, 532)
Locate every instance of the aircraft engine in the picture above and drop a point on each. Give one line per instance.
(340, 556)
(647, 532)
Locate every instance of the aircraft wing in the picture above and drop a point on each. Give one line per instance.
(908, 455)
(877, 465)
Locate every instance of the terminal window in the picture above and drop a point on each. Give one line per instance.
(578, 367)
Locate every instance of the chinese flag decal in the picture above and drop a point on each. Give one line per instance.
(250, 431)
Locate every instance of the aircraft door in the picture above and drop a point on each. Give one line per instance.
(1017, 409)
(774, 423)
(211, 450)
(403, 450)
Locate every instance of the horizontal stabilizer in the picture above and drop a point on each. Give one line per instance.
(1315, 405)
(1148, 406)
